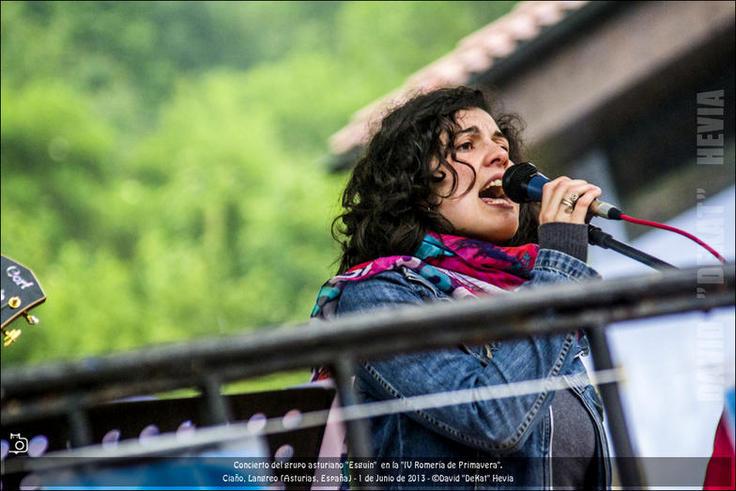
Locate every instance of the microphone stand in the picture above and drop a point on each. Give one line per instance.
(599, 238)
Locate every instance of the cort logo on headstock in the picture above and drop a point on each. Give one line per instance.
(14, 273)
(20, 292)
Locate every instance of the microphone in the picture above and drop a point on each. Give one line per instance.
(523, 183)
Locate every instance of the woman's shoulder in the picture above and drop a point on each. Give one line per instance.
(392, 287)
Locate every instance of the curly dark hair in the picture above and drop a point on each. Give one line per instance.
(389, 201)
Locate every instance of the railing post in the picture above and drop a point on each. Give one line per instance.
(215, 406)
(80, 433)
(626, 462)
(358, 433)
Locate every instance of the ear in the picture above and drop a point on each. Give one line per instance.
(438, 176)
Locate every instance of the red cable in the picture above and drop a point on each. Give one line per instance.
(670, 228)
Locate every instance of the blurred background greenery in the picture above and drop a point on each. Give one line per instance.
(163, 164)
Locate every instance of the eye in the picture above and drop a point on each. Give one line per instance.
(465, 147)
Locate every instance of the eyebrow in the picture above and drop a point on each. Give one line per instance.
(476, 131)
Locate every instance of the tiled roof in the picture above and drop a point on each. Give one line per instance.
(474, 54)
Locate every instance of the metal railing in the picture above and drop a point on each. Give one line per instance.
(70, 388)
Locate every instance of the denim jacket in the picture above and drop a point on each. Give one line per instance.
(518, 427)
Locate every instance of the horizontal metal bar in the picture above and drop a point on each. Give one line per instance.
(545, 309)
(131, 448)
(159, 446)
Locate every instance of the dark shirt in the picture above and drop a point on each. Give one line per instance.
(573, 442)
(573, 437)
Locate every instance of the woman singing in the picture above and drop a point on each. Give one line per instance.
(426, 219)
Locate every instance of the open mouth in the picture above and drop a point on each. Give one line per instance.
(493, 194)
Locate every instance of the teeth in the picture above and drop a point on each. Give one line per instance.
(497, 182)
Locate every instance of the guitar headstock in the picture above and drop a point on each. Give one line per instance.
(19, 293)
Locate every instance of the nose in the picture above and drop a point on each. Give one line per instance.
(497, 156)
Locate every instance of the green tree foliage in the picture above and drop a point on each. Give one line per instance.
(162, 163)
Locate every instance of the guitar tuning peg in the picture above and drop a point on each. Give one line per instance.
(31, 319)
(10, 336)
